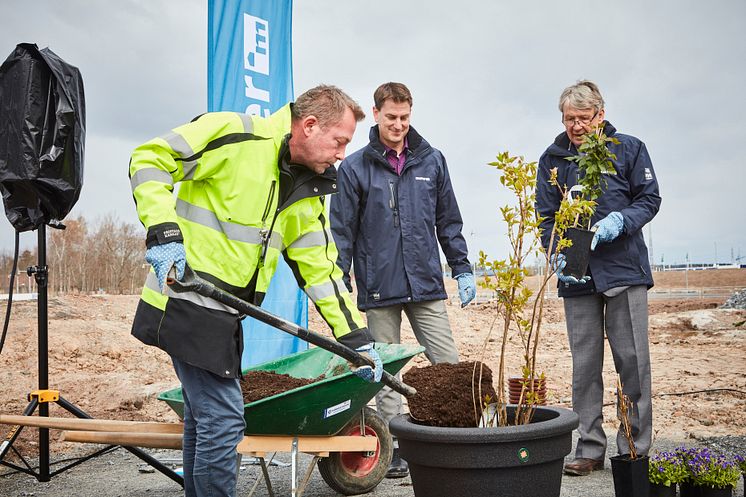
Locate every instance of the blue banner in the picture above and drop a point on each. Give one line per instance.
(249, 55)
(249, 69)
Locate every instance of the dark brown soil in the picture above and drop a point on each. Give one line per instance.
(261, 384)
(444, 394)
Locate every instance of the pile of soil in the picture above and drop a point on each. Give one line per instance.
(444, 393)
(257, 385)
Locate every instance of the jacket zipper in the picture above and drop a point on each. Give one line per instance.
(264, 232)
(392, 204)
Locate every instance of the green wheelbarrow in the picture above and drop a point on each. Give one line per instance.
(335, 405)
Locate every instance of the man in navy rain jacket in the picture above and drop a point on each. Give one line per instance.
(612, 297)
(394, 205)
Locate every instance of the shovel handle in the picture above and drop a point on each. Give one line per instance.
(193, 283)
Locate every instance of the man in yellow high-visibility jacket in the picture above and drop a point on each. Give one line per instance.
(252, 188)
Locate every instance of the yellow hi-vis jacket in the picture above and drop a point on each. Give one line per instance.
(239, 206)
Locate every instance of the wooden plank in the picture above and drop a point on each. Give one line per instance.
(92, 424)
(261, 444)
(152, 440)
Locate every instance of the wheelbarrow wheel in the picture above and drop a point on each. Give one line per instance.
(353, 473)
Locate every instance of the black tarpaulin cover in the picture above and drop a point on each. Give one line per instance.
(42, 136)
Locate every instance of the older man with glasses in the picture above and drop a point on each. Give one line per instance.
(611, 299)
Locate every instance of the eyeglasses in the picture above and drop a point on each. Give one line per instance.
(570, 121)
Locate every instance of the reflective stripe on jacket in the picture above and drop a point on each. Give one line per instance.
(239, 206)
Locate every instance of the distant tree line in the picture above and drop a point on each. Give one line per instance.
(105, 257)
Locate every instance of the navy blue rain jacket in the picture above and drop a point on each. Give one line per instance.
(390, 225)
(633, 192)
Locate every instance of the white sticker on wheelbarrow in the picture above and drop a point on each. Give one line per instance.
(331, 411)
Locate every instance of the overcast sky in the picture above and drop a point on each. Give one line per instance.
(485, 77)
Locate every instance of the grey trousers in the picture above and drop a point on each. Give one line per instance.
(624, 318)
(429, 322)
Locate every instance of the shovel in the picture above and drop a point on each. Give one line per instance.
(193, 283)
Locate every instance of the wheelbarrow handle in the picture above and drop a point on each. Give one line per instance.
(191, 282)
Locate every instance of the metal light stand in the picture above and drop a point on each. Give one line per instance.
(40, 398)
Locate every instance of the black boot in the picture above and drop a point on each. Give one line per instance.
(398, 467)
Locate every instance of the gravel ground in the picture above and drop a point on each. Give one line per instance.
(736, 301)
(118, 474)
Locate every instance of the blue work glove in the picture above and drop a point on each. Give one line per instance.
(557, 262)
(607, 229)
(164, 257)
(467, 288)
(366, 372)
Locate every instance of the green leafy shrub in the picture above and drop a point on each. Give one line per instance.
(507, 278)
(594, 161)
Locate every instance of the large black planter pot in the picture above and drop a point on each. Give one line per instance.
(506, 462)
(630, 476)
(579, 253)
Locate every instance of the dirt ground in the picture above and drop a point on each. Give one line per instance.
(695, 347)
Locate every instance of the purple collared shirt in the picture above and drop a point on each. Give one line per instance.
(396, 161)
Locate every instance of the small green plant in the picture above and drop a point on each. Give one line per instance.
(567, 215)
(507, 279)
(666, 468)
(709, 469)
(519, 307)
(594, 160)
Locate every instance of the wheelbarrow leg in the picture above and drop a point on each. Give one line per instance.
(294, 468)
(307, 477)
(265, 473)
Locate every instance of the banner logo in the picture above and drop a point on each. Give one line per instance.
(256, 63)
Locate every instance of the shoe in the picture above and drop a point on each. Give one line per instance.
(398, 467)
(583, 467)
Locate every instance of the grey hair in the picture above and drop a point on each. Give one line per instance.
(582, 95)
(327, 103)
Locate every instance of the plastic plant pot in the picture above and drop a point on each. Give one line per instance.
(630, 476)
(657, 490)
(577, 255)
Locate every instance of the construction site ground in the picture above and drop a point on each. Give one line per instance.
(698, 353)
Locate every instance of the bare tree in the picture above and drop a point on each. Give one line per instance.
(121, 248)
(108, 257)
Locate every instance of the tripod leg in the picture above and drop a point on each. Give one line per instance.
(133, 450)
(16, 430)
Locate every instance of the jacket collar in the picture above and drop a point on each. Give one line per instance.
(416, 143)
(298, 182)
(279, 123)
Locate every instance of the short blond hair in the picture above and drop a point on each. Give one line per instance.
(327, 103)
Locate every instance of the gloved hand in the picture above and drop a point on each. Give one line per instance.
(558, 262)
(366, 372)
(607, 229)
(163, 257)
(467, 288)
